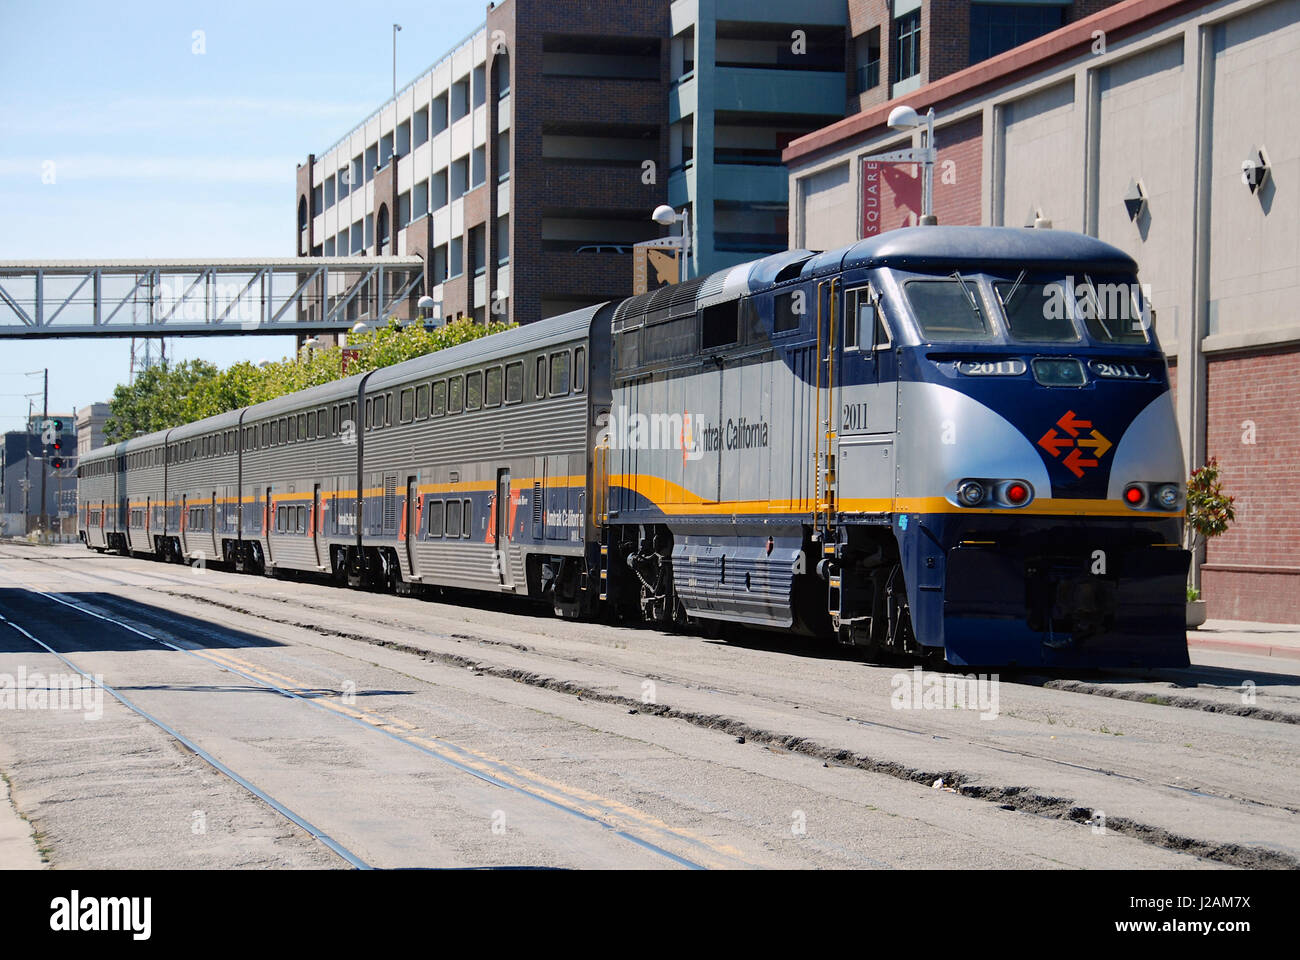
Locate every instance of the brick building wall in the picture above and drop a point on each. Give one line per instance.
(1243, 392)
(957, 178)
(945, 40)
(539, 186)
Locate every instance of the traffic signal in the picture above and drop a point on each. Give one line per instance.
(57, 463)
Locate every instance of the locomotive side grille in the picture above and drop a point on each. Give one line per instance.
(537, 502)
(390, 503)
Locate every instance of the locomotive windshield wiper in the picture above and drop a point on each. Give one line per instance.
(970, 294)
(1011, 296)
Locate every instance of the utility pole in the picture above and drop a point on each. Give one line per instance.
(27, 472)
(45, 419)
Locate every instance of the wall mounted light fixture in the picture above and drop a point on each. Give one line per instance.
(1135, 199)
(1254, 169)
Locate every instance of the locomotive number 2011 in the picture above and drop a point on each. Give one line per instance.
(854, 417)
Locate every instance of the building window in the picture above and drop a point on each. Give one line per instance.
(420, 127)
(501, 67)
(868, 71)
(456, 257)
(997, 27)
(329, 191)
(478, 169)
(419, 199)
(501, 156)
(372, 161)
(439, 264)
(480, 85)
(438, 190)
(403, 146)
(477, 251)
(459, 99)
(907, 45)
(460, 177)
(503, 239)
(403, 210)
(358, 175)
(358, 245)
(438, 116)
(385, 149)
(370, 231)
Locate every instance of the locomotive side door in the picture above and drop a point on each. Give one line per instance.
(867, 408)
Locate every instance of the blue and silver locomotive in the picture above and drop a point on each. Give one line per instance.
(947, 442)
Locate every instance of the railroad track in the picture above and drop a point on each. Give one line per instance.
(1028, 801)
(623, 826)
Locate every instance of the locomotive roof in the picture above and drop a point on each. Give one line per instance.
(974, 248)
(922, 248)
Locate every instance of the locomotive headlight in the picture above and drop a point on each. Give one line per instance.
(970, 493)
(1166, 496)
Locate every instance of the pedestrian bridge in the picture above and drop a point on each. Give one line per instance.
(170, 298)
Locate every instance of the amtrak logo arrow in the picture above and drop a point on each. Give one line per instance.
(1075, 461)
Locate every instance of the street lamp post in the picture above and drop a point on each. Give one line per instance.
(396, 29)
(904, 117)
(666, 216)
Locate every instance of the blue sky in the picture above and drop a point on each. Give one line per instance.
(162, 152)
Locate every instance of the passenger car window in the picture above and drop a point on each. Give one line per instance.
(514, 382)
(473, 390)
(560, 373)
(579, 369)
(408, 405)
(452, 528)
(455, 394)
(422, 401)
(540, 387)
(948, 309)
(492, 387)
(440, 398)
(436, 517)
(467, 519)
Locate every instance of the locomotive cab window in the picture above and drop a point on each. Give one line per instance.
(1111, 310)
(948, 309)
(1036, 310)
(560, 373)
(863, 327)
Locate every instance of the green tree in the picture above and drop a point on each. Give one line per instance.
(1209, 509)
(169, 395)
